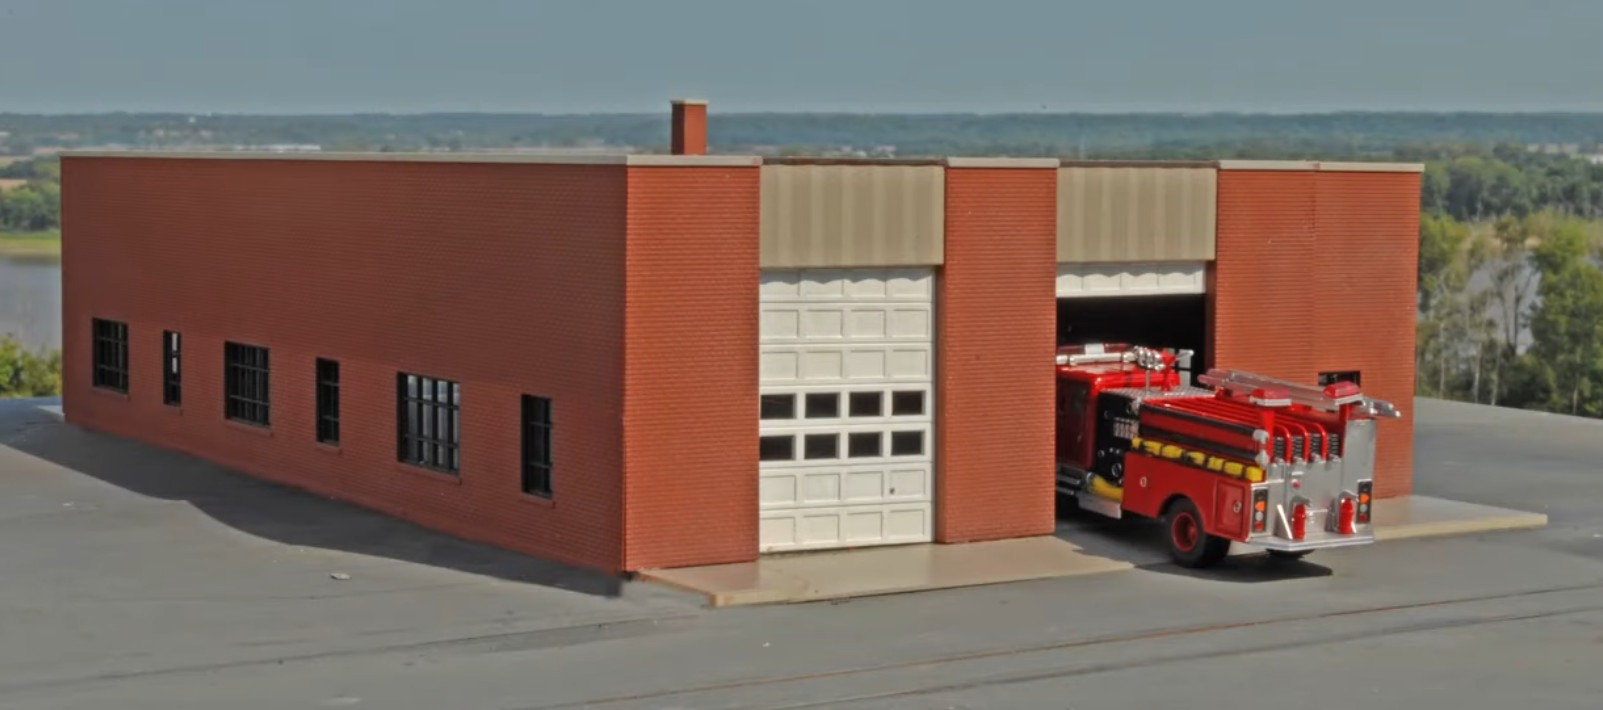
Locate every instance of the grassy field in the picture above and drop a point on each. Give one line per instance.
(32, 244)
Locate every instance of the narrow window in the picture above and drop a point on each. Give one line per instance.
(429, 422)
(111, 355)
(328, 402)
(537, 446)
(246, 384)
(172, 390)
(1329, 378)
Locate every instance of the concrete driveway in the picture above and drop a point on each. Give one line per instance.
(139, 579)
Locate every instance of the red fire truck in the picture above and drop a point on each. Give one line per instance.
(1276, 465)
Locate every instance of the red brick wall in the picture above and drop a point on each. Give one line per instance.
(1368, 227)
(1315, 273)
(690, 416)
(997, 321)
(507, 278)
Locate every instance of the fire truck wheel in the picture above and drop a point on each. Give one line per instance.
(1189, 544)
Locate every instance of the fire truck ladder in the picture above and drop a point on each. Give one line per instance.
(1328, 399)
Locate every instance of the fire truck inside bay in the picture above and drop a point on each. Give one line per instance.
(1277, 465)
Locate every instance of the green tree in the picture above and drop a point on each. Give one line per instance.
(28, 374)
(1568, 325)
(34, 207)
(1568, 329)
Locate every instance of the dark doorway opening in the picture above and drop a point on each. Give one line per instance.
(1178, 322)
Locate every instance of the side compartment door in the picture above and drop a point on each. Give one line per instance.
(1073, 419)
(1230, 509)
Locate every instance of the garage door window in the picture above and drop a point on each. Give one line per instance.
(776, 448)
(778, 406)
(907, 404)
(868, 404)
(907, 443)
(822, 446)
(865, 444)
(823, 405)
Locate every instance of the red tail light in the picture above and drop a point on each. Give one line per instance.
(1260, 509)
(1299, 521)
(1344, 520)
(1365, 490)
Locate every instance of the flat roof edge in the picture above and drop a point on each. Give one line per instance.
(376, 157)
(1322, 166)
(1002, 162)
(694, 161)
(1120, 163)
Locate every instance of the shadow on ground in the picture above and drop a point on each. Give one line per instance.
(1141, 543)
(268, 510)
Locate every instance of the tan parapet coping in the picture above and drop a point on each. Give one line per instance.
(1321, 166)
(690, 102)
(1360, 167)
(695, 161)
(645, 160)
(1265, 165)
(1120, 163)
(1051, 163)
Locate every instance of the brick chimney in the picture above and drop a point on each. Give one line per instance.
(689, 127)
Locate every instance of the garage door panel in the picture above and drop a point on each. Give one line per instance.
(794, 323)
(846, 372)
(826, 528)
(847, 284)
(846, 363)
(1133, 279)
(842, 485)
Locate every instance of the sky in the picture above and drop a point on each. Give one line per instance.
(568, 56)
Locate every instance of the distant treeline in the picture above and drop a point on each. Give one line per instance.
(1133, 135)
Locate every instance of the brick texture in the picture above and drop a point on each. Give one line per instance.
(690, 413)
(1315, 273)
(997, 324)
(507, 278)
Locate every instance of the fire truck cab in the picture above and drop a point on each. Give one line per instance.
(1281, 466)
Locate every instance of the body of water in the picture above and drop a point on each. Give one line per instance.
(30, 301)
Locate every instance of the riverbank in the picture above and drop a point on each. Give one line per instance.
(46, 245)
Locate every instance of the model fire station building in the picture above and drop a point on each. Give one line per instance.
(663, 360)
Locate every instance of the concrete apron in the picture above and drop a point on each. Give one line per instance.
(1079, 547)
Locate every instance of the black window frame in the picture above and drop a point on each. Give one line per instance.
(539, 419)
(247, 384)
(110, 356)
(172, 380)
(326, 375)
(436, 410)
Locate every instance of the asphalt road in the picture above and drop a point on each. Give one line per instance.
(137, 579)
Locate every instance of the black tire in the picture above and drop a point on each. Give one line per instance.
(1189, 544)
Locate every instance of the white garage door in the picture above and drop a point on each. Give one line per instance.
(1153, 279)
(847, 395)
